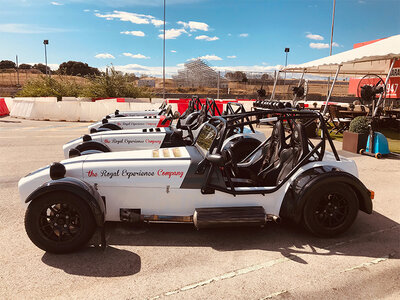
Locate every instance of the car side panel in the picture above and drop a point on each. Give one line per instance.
(130, 122)
(126, 142)
(178, 202)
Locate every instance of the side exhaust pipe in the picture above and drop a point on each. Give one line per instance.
(273, 218)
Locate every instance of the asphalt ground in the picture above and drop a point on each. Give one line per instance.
(178, 262)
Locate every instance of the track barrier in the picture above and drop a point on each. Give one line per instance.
(3, 108)
(69, 110)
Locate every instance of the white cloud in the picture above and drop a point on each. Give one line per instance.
(28, 28)
(171, 34)
(207, 57)
(229, 34)
(156, 22)
(86, 10)
(194, 26)
(104, 55)
(316, 37)
(130, 17)
(207, 38)
(243, 35)
(138, 56)
(56, 3)
(231, 56)
(134, 33)
(322, 45)
(173, 51)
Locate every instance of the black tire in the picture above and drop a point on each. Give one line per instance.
(110, 126)
(92, 145)
(75, 227)
(330, 210)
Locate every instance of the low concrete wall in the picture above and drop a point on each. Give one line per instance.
(69, 110)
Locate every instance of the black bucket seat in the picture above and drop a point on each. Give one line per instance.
(263, 158)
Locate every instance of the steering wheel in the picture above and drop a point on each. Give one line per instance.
(367, 90)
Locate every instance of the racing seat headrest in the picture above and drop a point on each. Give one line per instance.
(275, 145)
(267, 157)
(299, 138)
(292, 156)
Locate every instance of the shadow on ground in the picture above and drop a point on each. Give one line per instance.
(287, 239)
(111, 262)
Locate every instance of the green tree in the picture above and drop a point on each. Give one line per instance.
(77, 68)
(25, 66)
(42, 68)
(7, 64)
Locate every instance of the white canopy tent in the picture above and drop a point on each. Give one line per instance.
(373, 58)
(377, 58)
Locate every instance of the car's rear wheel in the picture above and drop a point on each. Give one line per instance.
(330, 210)
(110, 126)
(92, 145)
(59, 222)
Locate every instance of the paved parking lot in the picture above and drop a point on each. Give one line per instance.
(178, 262)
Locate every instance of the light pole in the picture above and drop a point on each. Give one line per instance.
(331, 43)
(164, 57)
(287, 50)
(45, 42)
(16, 60)
(333, 23)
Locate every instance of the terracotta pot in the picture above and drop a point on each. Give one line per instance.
(354, 142)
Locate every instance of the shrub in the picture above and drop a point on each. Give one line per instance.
(114, 84)
(359, 125)
(55, 86)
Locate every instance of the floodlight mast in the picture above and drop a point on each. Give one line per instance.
(45, 42)
(287, 50)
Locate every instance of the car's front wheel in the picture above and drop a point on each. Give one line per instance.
(59, 222)
(330, 210)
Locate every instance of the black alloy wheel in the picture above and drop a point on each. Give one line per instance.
(330, 210)
(59, 222)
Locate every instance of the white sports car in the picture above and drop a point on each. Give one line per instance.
(135, 122)
(287, 176)
(154, 138)
(149, 112)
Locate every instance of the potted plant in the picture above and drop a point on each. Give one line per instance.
(315, 104)
(356, 137)
(351, 106)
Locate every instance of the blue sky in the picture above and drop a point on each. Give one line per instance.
(247, 35)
